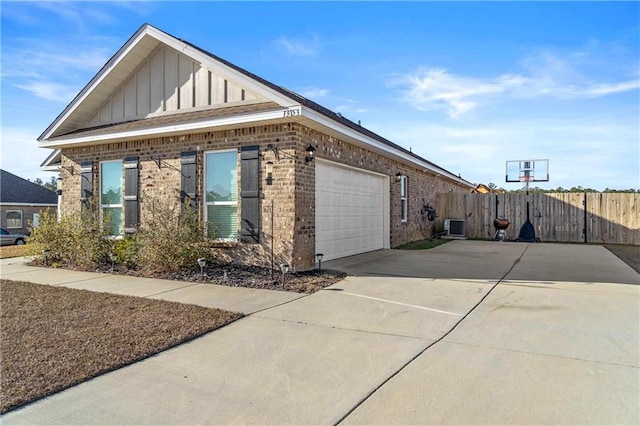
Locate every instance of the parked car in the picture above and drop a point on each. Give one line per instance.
(7, 238)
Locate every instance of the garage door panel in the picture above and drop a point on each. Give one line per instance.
(349, 211)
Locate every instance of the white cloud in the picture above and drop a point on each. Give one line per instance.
(21, 155)
(602, 153)
(50, 91)
(48, 71)
(299, 46)
(545, 75)
(314, 93)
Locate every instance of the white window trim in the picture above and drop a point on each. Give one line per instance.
(404, 207)
(103, 206)
(21, 219)
(206, 203)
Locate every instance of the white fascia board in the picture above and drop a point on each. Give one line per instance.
(349, 132)
(236, 120)
(55, 169)
(102, 74)
(47, 163)
(209, 62)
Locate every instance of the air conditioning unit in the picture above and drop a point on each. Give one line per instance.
(455, 228)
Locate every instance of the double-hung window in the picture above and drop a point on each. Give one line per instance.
(221, 194)
(404, 213)
(14, 218)
(111, 197)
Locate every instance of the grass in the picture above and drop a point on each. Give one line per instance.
(55, 337)
(422, 244)
(13, 251)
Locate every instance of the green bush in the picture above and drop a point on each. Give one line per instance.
(171, 239)
(126, 251)
(76, 240)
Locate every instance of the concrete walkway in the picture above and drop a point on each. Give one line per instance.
(236, 299)
(471, 332)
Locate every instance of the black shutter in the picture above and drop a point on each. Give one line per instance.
(250, 194)
(188, 180)
(86, 184)
(131, 210)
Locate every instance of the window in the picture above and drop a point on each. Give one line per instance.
(221, 194)
(111, 196)
(404, 214)
(14, 218)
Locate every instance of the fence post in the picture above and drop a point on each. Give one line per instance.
(584, 229)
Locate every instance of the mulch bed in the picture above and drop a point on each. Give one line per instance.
(236, 275)
(54, 337)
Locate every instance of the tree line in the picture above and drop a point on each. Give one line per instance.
(538, 190)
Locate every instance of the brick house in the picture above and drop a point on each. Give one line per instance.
(22, 201)
(268, 170)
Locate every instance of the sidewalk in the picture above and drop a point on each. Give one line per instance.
(235, 299)
(474, 332)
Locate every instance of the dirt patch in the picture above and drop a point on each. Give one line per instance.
(627, 253)
(13, 251)
(54, 337)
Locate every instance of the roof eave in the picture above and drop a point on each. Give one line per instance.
(275, 115)
(379, 146)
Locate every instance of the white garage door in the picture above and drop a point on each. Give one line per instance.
(350, 210)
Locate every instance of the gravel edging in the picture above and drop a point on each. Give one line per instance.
(52, 338)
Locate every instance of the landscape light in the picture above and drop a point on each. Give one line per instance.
(319, 256)
(284, 267)
(45, 256)
(113, 258)
(202, 262)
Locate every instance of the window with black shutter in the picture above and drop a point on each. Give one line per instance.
(86, 184)
(131, 203)
(250, 194)
(188, 180)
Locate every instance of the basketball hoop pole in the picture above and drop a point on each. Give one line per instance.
(526, 171)
(526, 185)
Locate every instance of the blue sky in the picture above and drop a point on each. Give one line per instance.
(465, 85)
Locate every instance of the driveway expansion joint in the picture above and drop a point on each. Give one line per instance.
(447, 333)
(543, 354)
(342, 328)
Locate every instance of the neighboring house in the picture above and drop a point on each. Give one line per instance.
(21, 202)
(267, 169)
(483, 189)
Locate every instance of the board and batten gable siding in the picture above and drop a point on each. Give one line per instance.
(168, 82)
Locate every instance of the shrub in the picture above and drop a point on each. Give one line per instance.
(171, 239)
(126, 251)
(76, 240)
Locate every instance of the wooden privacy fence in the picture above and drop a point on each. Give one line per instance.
(605, 218)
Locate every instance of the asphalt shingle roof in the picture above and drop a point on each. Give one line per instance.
(14, 189)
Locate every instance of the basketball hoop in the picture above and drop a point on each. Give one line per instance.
(526, 179)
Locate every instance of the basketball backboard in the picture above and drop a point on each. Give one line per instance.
(527, 171)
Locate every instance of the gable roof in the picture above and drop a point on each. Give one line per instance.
(284, 105)
(16, 190)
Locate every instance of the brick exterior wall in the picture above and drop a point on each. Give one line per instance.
(290, 200)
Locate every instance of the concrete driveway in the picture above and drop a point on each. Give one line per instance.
(471, 332)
